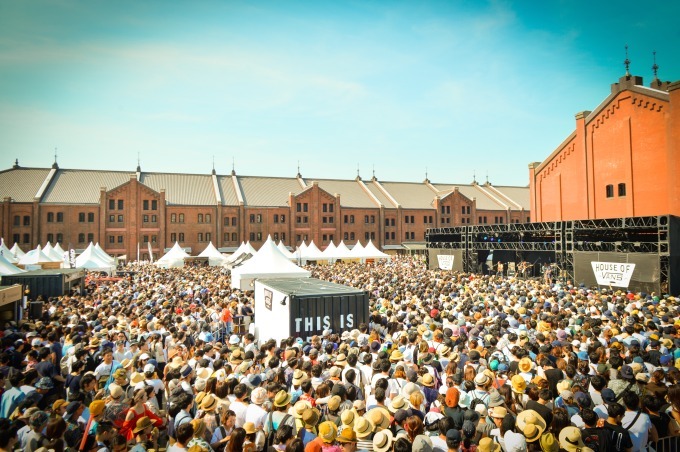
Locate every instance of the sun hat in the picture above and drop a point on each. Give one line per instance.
(563, 385)
(310, 417)
(115, 391)
(486, 445)
(528, 418)
(571, 440)
(482, 379)
(549, 443)
(136, 378)
(209, 403)
(525, 364)
(378, 418)
(519, 384)
(258, 396)
(298, 377)
(142, 423)
(398, 403)
(396, 356)
(347, 417)
(363, 427)
(334, 403)
(428, 380)
(282, 398)
(234, 339)
(498, 412)
(249, 427)
(299, 408)
(347, 435)
(328, 431)
(382, 441)
(421, 443)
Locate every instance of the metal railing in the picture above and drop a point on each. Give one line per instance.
(665, 444)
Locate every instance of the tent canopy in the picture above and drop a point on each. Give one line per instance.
(245, 248)
(285, 250)
(99, 252)
(34, 257)
(312, 253)
(268, 262)
(173, 258)
(52, 254)
(90, 260)
(9, 255)
(16, 251)
(7, 268)
(214, 257)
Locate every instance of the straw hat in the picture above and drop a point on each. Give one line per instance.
(378, 418)
(382, 441)
(282, 398)
(310, 417)
(142, 423)
(328, 431)
(347, 435)
(249, 427)
(571, 441)
(562, 386)
(549, 443)
(488, 445)
(428, 380)
(298, 377)
(136, 378)
(498, 412)
(209, 403)
(519, 384)
(531, 424)
(299, 408)
(525, 364)
(347, 417)
(363, 427)
(398, 403)
(396, 356)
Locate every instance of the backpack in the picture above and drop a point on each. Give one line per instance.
(437, 378)
(63, 366)
(270, 440)
(479, 401)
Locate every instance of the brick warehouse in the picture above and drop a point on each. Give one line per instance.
(122, 209)
(622, 160)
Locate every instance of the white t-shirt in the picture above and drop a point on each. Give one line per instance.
(639, 432)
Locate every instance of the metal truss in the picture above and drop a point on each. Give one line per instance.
(518, 246)
(617, 247)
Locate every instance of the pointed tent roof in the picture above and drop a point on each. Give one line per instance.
(58, 249)
(90, 260)
(245, 248)
(357, 251)
(102, 254)
(35, 256)
(173, 258)
(342, 251)
(9, 256)
(268, 262)
(16, 251)
(53, 255)
(7, 268)
(284, 250)
(214, 256)
(371, 252)
(330, 251)
(312, 252)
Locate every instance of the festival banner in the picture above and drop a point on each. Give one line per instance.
(616, 274)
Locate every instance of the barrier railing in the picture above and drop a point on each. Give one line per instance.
(665, 444)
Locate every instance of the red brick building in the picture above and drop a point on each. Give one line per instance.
(622, 160)
(123, 210)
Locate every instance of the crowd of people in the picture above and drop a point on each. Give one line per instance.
(448, 362)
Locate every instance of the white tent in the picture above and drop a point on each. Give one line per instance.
(9, 256)
(371, 252)
(312, 253)
(342, 252)
(330, 252)
(173, 258)
(99, 252)
(245, 248)
(357, 251)
(34, 257)
(6, 267)
(285, 251)
(214, 257)
(16, 251)
(53, 255)
(59, 249)
(90, 260)
(269, 262)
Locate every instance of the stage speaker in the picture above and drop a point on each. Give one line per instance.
(35, 309)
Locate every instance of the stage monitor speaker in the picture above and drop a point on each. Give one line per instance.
(35, 310)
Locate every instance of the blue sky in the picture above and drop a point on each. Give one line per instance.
(452, 88)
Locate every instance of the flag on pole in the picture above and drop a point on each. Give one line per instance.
(150, 252)
(137, 251)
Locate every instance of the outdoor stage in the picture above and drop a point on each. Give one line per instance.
(568, 249)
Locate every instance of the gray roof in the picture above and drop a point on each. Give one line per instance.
(411, 195)
(308, 286)
(22, 184)
(227, 191)
(520, 195)
(72, 186)
(380, 195)
(268, 191)
(351, 193)
(484, 202)
(182, 189)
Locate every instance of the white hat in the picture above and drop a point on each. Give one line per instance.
(234, 339)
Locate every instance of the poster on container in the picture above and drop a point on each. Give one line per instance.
(445, 261)
(615, 274)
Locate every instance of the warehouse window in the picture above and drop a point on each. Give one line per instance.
(276, 236)
(120, 204)
(50, 238)
(200, 236)
(200, 218)
(351, 236)
(283, 218)
(27, 238)
(112, 239)
(81, 238)
(90, 217)
(234, 237)
(27, 220)
(90, 237)
(60, 238)
(622, 189)
(181, 236)
(112, 204)
(154, 218)
(146, 239)
(173, 218)
(252, 236)
(17, 220)
(145, 218)
(173, 237)
(276, 218)
(120, 218)
(50, 217)
(226, 221)
(154, 205)
(120, 239)
(145, 204)
(181, 218)
(392, 234)
(610, 191)
(207, 237)
(283, 236)
(60, 217)
(346, 236)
